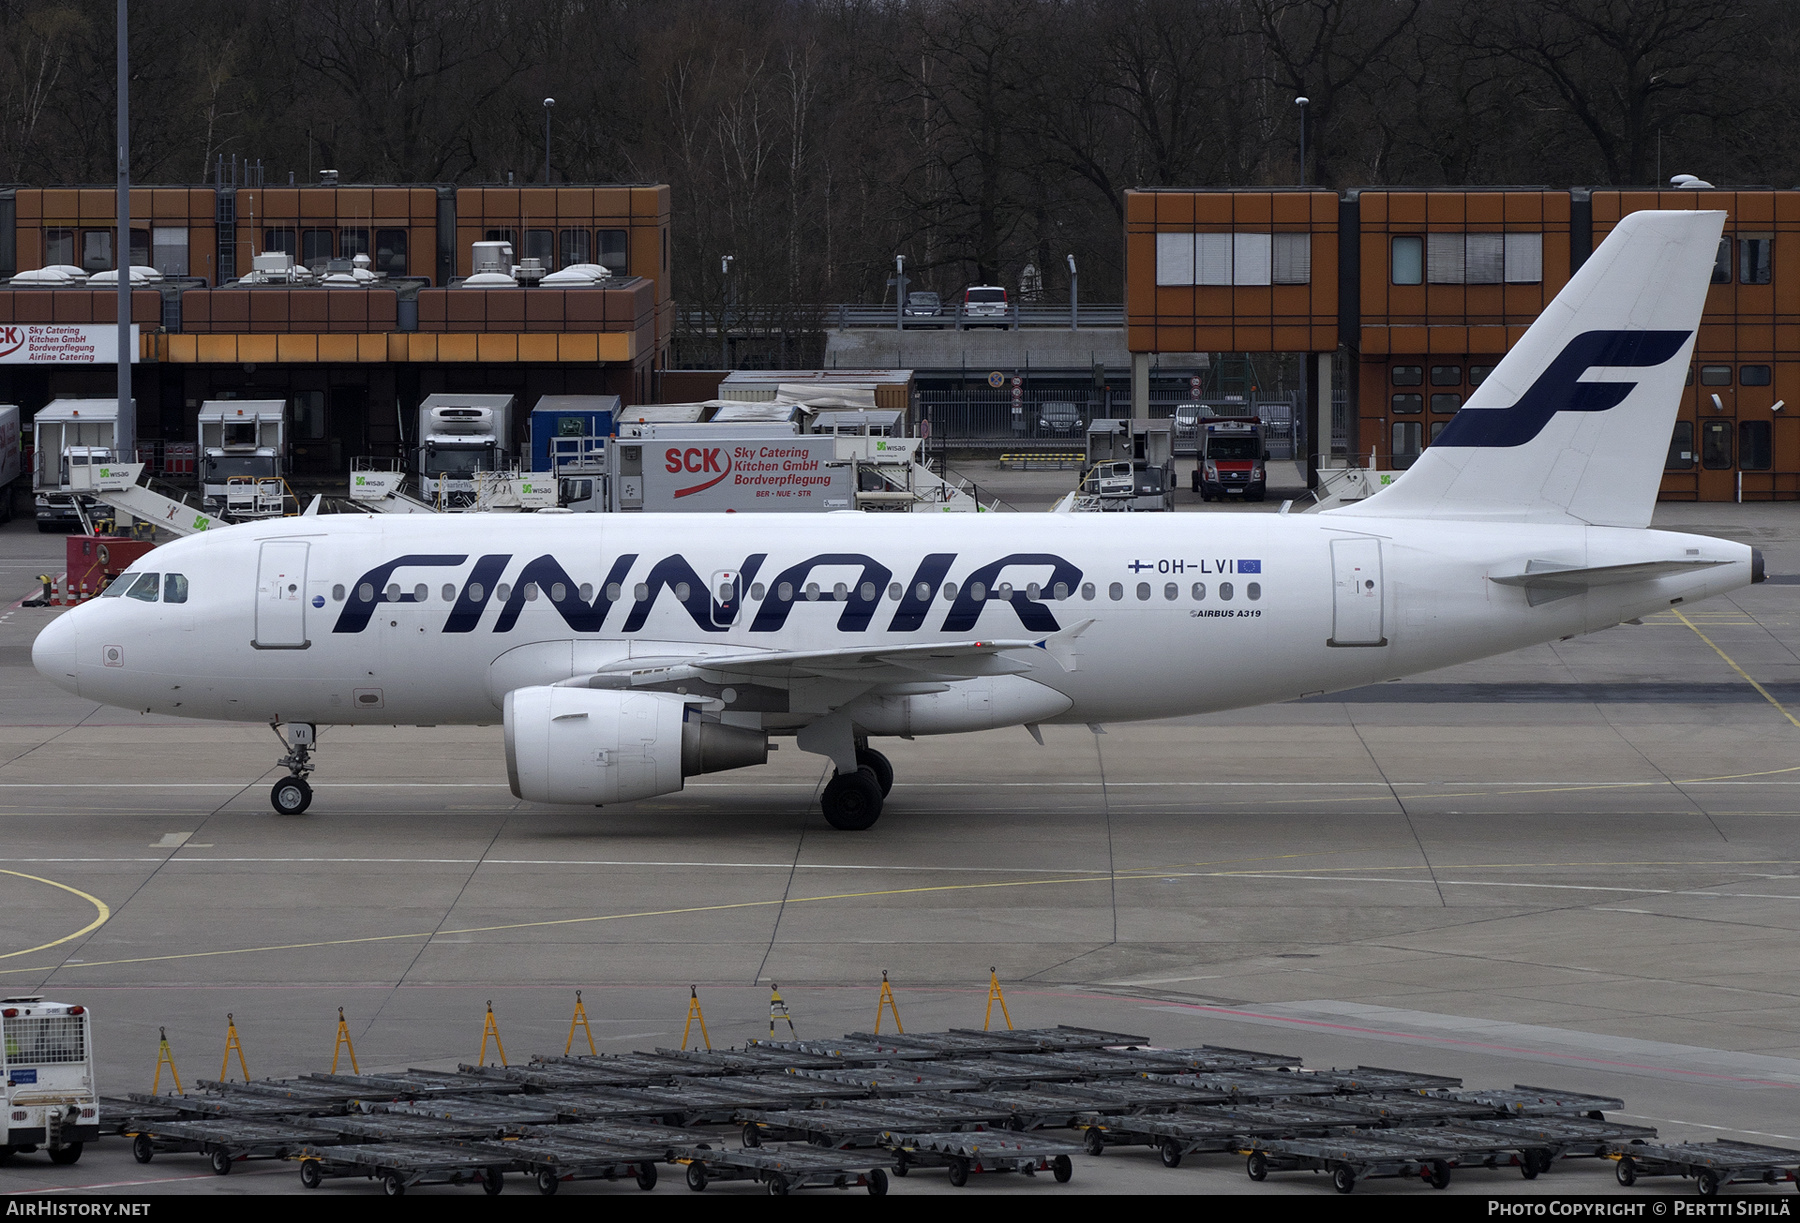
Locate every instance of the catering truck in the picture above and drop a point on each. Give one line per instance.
(242, 453)
(75, 433)
(460, 435)
(47, 1067)
(9, 458)
(747, 468)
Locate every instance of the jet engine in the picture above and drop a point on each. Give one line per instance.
(589, 746)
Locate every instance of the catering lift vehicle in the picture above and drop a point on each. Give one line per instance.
(69, 433)
(9, 458)
(623, 656)
(461, 436)
(1130, 465)
(1232, 460)
(48, 1092)
(243, 447)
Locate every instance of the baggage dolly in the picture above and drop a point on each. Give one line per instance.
(549, 1159)
(1348, 1160)
(981, 1151)
(1713, 1165)
(784, 1170)
(1567, 1137)
(226, 1141)
(400, 1166)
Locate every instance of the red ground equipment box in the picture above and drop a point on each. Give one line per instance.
(95, 560)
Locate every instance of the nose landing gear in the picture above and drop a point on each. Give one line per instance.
(292, 795)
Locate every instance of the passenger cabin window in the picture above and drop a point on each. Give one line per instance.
(1715, 445)
(1409, 261)
(1755, 375)
(1681, 447)
(175, 588)
(612, 250)
(390, 251)
(1722, 263)
(1754, 259)
(1755, 447)
(1715, 375)
(1407, 375)
(145, 587)
(1446, 375)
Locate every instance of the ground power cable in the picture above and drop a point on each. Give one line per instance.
(1400, 803)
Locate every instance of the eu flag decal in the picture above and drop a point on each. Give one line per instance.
(1249, 566)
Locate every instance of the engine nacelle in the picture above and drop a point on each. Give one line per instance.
(598, 746)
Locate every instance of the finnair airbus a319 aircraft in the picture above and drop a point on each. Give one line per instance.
(623, 654)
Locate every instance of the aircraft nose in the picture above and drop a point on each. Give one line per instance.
(54, 653)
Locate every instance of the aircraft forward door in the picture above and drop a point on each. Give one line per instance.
(1356, 599)
(281, 596)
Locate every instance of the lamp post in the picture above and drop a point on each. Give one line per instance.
(549, 105)
(1302, 103)
(122, 248)
(899, 292)
(1074, 300)
(725, 262)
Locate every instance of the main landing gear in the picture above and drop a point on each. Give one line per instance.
(292, 795)
(852, 801)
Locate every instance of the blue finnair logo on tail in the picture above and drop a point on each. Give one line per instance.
(1560, 389)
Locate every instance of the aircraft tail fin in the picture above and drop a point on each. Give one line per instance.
(1573, 425)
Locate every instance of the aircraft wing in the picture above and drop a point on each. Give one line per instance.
(935, 662)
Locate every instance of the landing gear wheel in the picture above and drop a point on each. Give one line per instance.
(291, 796)
(1343, 1179)
(852, 802)
(696, 1177)
(393, 1186)
(1171, 1153)
(221, 1163)
(66, 1154)
(876, 763)
(547, 1183)
(1439, 1176)
(1708, 1184)
(1626, 1171)
(877, 1183)
(142, 1150)
(959, 1171)
(310, 1176)
(1062, 1168)
(1257, 1166)
(493, 1181)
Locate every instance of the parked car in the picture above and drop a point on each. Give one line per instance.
(923, 305)
(986, 305)
(1059, 419)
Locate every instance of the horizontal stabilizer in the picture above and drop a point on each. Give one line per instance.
(1547, 581)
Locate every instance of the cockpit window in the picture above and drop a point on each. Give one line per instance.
(145, 587)
(115, 588)
(175, 588)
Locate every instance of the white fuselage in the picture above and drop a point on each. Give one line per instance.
(1421, 597)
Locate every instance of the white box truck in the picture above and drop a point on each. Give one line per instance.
(9, 458)
(750, 468)
(75, 432)
(243, 451)
(460, 435)
(47, 1067)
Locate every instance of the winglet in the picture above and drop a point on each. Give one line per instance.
(312, 509)
(1061, 646)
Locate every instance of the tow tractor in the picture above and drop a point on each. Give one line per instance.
(1231, 462)
(48, 1062)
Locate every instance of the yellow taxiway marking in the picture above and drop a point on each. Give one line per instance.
(1730, 662)
(99, 907)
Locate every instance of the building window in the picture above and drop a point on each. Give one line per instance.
(576, 247)
(1407, 436)
(1681, 447)
(1755, 447)
(1409, 261)
(1715, 445)
(1407, 375)
(1754, 375)
(1722, 263)
(1212, 259)
(540, 244)
(1444, 259)
(140, 248)
(59, 247)
(1446, 403)
(1484, 260)
(1754, 259)
(284, 240)
(1715, 375)
(1478, 374)
(502, 235)
(1437, 427)
(169, 250)
(1524, 259)
(613, 250)
(353, 242)
(96, 250)
(1293, 259)
(1252, 257)
(1408, 404)
(316, 246)
(390, 251)
(1174, 259)
(1446, 375)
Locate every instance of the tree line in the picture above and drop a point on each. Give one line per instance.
(814, 140)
